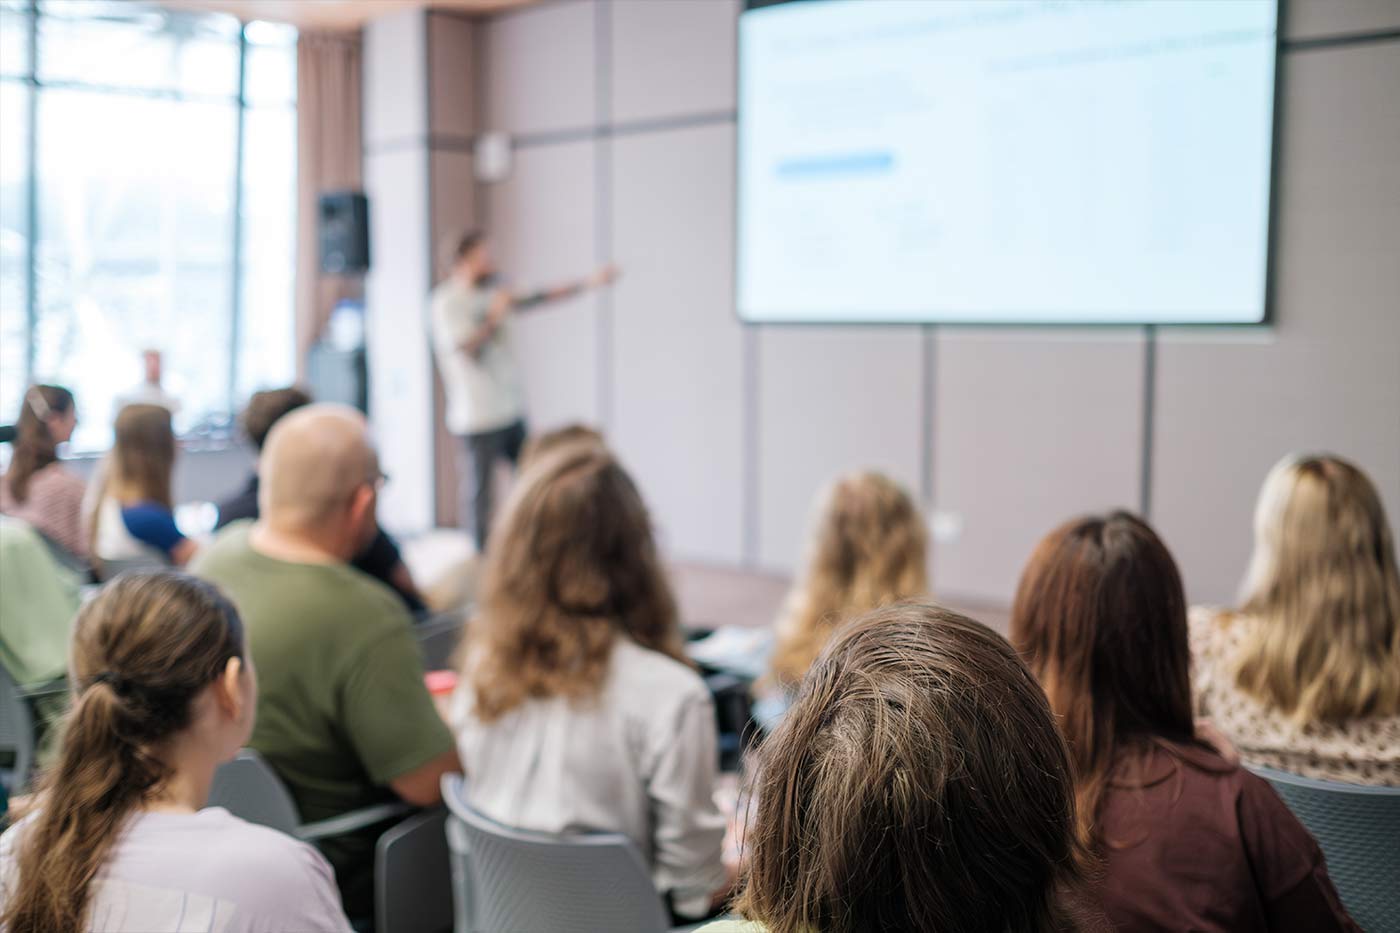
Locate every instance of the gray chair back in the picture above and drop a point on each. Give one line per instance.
(16, 734)
(437, 640)
(1358, 828)
(111, 569)
(248, 788)
(521, 881)
(413, 877)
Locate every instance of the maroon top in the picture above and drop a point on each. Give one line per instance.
(1192, 842)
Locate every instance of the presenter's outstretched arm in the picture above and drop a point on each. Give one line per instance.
(605, 275)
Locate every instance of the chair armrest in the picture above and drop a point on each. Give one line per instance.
(47, 688)
(350, 822)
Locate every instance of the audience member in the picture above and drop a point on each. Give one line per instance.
(1305, 675)
(1189, 839)
(134, 513)
(37, 600)
(37, 488)
(344, 716)
(381, 559)
(917, 783)
(150, 390)
(117, 838)
(869, 547)
(576, 708)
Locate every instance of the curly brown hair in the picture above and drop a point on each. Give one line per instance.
(572, 565)
(870, 547)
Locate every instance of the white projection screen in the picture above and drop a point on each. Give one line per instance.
(1029, 161)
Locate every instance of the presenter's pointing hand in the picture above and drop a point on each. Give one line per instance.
(606, 275)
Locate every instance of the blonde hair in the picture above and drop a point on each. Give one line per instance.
(572, 566)
(1324, 587)
(869, 547)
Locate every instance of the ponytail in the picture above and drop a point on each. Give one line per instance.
(142, 650)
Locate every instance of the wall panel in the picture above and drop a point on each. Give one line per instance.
(831, 400)
(1326, 376)
(540, 70)
(1032, 428)
(677, 352)
(394, 96)
(671, 59)
(542, 225)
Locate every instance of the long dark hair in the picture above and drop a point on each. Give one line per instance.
(571, 566)
(918, 783)
(34, 444)
(142, 650)
(1100, 617)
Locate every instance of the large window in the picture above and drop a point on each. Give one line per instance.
(147, 194)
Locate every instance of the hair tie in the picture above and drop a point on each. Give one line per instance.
(119, 684)
(38, 404)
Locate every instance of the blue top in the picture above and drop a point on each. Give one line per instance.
(153, 524)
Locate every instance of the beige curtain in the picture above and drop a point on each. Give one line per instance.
(329, 153)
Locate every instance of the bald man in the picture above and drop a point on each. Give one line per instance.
(343, 715)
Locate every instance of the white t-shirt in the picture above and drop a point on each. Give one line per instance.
(205, 872)
(483, 394)
(640, 759)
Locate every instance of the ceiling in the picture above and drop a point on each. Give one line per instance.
(336, 15)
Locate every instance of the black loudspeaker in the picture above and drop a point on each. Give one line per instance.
(344, 232)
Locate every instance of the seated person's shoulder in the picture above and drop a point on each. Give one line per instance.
(654, 673)
(264, 857)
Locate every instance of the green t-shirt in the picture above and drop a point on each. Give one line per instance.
(38, 599)
(342, 708)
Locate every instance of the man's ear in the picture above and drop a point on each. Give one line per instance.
(361, 504)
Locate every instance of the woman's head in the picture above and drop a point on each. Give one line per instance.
(1324, 584)
(143, 455)
(571, 564)
(869, 547)
(538, 446)
(1100, 617)
(156, 663)
(47, 418)
(918, 783)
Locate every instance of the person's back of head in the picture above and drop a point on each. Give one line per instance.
(1100, 617)
(572, 563)
(266, 408)
(869, 547)
(538, 446)
(143, 652)
(319, 478)
(1324, 587)
(143, 455)
(35, 443)
(918, 783)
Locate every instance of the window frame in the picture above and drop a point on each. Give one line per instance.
(29, 77)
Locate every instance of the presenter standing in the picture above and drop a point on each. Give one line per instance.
(471, 318)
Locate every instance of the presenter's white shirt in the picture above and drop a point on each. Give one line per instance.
(483, 394)
(205, 872)
(640, 759)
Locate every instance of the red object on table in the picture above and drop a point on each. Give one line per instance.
(440, 683)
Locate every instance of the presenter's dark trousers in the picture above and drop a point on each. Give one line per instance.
(484, 450)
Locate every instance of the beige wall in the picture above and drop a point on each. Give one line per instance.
(622, 112)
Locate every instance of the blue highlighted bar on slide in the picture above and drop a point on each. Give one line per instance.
(850, 163)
